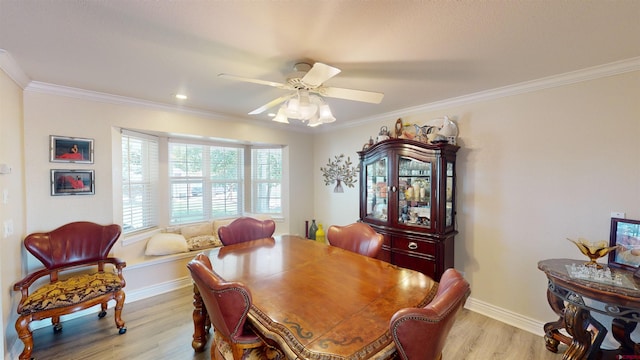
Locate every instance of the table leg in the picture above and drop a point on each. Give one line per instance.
(199, 319)
(576, 321)
(552, 335)
(621, 331)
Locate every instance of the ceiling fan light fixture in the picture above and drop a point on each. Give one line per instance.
(325, 114)
(293, 108)
(303, 97)
(281, 116)
(306, 112)
(314, 121)
(306, 108)
(306, 99)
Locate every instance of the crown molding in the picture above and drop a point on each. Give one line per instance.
(13, 70)
(591, 73)
(53, 89)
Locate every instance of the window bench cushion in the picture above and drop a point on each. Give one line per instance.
(73, 290)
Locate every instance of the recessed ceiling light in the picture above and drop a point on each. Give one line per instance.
(181, 96)
(271, 114)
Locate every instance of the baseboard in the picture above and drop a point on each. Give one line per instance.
(158, 289)
(508, 317)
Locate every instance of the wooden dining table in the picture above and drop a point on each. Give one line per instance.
(316, 301)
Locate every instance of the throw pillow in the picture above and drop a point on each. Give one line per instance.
(203, 242)
(196, 230)
(165, 244)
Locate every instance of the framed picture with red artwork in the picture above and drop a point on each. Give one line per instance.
(72, 182)
(71, 149)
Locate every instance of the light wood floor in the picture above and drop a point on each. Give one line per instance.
(161, 328)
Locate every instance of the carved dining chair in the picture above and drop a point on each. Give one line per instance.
(357, 237)
(84, 248)
(420, 333)
(227, 305)
(246, 229)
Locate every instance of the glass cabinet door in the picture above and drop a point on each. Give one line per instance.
(449, 195)
(414, 192)
(377, 180)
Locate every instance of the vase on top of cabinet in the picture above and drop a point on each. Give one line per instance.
(407, 194)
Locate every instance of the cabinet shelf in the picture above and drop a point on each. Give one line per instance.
(417, 215)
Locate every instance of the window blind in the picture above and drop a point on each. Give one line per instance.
(139, 181)
(205, 180)
(266, 180)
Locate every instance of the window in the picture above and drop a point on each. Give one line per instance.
(185, 182)
(226, 181)
(206, 181)
(139, 181)
(200, 181)
(266, 180)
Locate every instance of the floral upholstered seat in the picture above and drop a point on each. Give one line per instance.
(224, 352)
(72, 291)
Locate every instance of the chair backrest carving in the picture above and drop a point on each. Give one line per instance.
(357, 237)
(73, 244)
(245, 229)
(420, 333)
(227, 303)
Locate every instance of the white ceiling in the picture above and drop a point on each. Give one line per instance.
(415, 52)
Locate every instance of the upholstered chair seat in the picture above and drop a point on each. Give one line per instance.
(72, 291)
(224, 351)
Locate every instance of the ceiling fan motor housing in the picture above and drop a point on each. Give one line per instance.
(294, 79)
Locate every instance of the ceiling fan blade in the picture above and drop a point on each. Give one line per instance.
(255, 81)
(319, 73)
(350, 94)
(271, 104)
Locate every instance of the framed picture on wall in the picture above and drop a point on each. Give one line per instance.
(71, 149)
(625, 234)
(72, 182)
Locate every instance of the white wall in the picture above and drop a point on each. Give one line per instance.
(13, 210)
(533, 169)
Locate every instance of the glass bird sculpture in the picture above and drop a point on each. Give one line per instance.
(593, 251)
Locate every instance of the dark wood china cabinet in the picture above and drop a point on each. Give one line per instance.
(407, 194)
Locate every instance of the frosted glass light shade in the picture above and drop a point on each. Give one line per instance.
(325, 114)
(305, 107)
(281, 116)
(314, 121)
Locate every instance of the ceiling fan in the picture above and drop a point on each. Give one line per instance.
(307, 91)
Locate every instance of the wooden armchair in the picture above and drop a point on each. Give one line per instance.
(246, 229)
(357, 237)
(420, 333)
(77, 246)
(227, 305)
